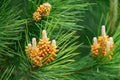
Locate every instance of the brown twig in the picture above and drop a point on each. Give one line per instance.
(29, 73)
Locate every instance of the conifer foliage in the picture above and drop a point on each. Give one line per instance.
(58, 40)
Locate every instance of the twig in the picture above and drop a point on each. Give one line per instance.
(29, 73)
(85, 69)
(113, 15)
(80, 71)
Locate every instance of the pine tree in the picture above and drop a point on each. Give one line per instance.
(59, 40)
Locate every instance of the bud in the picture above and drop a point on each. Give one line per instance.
(54, 43)
(29, 45)
(111, 41)
(34, 42)
(44, 35)
(103, 31)
(94, 40)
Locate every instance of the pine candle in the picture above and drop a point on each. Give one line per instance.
(102, 46)
(43, 52)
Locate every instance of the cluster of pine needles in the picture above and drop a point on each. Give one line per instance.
(59, 40)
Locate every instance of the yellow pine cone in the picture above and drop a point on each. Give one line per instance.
(36, 16)
(42, 53)
(102, 46)
(46, 50)
(95, 49)
(42, 10)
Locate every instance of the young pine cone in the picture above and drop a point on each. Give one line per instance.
(102, 46)
(43, 52)
(42, 10)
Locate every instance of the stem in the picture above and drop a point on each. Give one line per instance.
(29, 73)
(85, 69)
(81, 70)
(113, 15)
